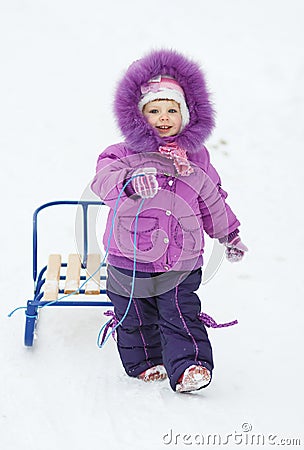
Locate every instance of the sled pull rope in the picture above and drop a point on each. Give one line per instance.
(104, 258)
(112, 332)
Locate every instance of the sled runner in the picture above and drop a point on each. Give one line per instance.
(60, 283)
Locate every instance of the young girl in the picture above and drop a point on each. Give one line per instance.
(172, 194)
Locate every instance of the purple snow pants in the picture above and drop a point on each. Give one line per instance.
(162, 324)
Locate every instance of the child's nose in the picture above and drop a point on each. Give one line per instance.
(164, 116)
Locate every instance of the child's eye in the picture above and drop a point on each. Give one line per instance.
(172, 110)
(153, 111)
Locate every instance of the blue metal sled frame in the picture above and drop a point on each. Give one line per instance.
(39, 278)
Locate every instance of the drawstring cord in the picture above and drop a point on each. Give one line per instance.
(112, 323)
(211, 323)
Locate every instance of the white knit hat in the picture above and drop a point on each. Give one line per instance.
(164, 87)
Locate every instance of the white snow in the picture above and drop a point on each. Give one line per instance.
(61, 61)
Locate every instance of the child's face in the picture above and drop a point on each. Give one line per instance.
(164, 116)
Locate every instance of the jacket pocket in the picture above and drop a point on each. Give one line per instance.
(188, 234)
(146, 227)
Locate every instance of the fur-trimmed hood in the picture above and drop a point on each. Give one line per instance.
(139, 135)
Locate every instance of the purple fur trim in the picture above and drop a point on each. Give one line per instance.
(139, 135)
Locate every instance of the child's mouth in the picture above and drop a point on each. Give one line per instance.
(164, 128)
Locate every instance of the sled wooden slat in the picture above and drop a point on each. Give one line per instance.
(92, 287)
(72, 274)
(51, 285)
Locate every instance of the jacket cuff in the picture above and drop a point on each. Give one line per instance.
(230, 237)
(129, 191)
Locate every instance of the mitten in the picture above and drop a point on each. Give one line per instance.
(146, 186)
(235, 249)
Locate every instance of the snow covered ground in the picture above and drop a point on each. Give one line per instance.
(60, 64)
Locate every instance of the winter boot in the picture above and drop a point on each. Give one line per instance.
(156, 373)
(193, 379)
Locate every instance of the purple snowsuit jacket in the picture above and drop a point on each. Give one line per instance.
(170, 229)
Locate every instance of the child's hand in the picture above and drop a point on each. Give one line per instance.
(235, 249)
(146, 186)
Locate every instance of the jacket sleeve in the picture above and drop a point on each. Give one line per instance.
(112, 172)
(218, 219)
